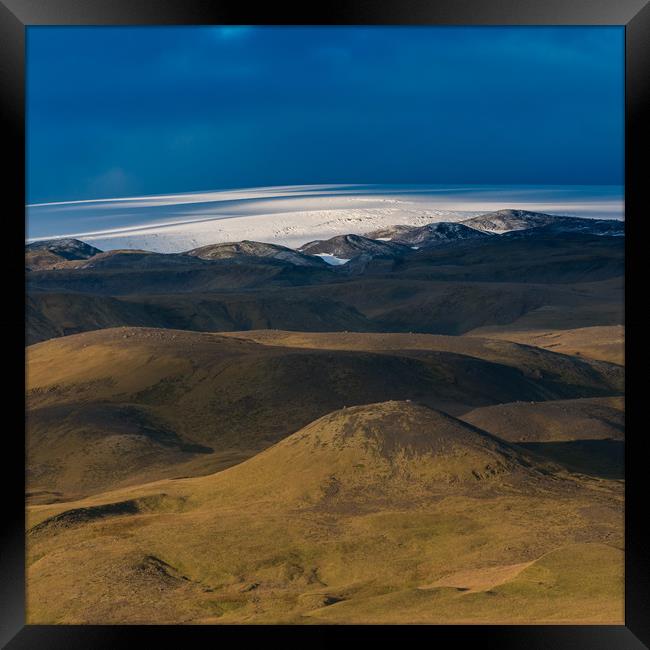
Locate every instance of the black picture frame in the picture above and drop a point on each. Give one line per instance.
(16, 15)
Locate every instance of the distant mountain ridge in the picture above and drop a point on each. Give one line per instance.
(130, 259)
(388, 286)
(390, 242)
(47, 253)
(246, 248)
(69, 249)
(433, 234)
(345, 247)
(237, 265)
(574, 225)
(503, 221)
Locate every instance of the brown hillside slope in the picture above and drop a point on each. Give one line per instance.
(126, 405)
(411, 498)
(498, 349)
(234, 297)
(606, 343)
(586, 419)
(583, 435)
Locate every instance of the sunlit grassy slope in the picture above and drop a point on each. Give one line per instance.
(127, 405)
(389, 513)
(606, 343)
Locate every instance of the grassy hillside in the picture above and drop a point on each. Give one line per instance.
(497, 350)
(562, 420)
(124, 405)
(468, 529)
(606, 343)
(246, 434)
(583, 435)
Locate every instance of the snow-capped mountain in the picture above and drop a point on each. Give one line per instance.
(292, 215)
(508, 221)
(433, 234)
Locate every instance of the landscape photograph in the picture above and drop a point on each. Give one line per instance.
(325, 325)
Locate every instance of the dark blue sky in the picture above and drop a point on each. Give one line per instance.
(124, 111)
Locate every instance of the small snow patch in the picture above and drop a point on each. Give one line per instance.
(332, 259)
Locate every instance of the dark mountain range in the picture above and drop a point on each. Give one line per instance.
(439, 290)
(484, 280)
